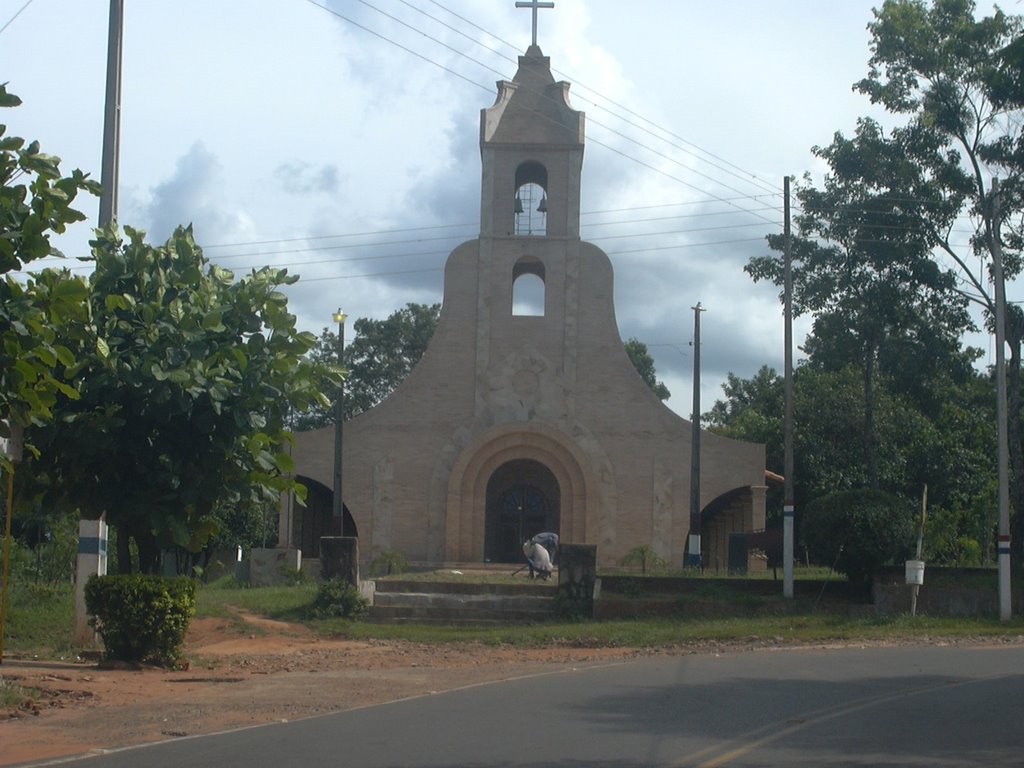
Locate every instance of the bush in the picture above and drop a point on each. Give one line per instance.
(858, 531)
(643, 557)
(337, 598)
(388, 563)
(141, 618)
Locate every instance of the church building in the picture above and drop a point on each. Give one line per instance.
(525, 413)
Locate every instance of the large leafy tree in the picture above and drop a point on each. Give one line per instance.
(946, 446)
(35, 203)
(182, 397)
(863, 266)
(880, 259)
(952, 77)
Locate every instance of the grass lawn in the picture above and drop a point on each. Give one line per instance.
(40, 623)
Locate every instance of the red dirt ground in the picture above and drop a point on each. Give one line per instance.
(261, 671)
(271, 671)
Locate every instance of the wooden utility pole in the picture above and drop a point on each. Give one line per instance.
(788, 509)
(693, 558)
(1005, 609)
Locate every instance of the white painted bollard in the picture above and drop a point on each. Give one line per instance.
(92, 561)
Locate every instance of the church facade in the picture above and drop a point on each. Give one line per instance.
(525, 414)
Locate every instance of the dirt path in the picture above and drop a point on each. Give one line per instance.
(269, 672)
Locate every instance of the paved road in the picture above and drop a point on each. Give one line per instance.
(843, 707)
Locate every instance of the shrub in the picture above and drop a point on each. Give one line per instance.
(337, 598)
(388, 563)
(858, 531)
(645, 557)
(141, 618)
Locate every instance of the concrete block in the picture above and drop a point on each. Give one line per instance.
(273, 567)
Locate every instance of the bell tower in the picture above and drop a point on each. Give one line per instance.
(531, 145)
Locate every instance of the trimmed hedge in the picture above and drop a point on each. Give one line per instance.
(141, 618)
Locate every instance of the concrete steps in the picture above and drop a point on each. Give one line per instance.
(461, 603)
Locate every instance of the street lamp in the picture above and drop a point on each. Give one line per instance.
(339, 420)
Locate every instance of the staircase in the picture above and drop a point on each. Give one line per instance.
(461, 603)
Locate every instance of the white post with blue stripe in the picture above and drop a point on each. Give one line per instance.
(92, 561)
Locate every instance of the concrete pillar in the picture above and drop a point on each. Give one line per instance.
(92, 561)
(339, 558)
(577, 572)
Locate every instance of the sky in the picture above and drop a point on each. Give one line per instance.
(340, 139)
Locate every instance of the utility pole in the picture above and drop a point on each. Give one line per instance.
(693, 558)
(788, 509)
(92, 534)
(112, 116)
(1005, 609)
(339, 432)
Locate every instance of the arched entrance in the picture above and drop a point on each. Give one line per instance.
(315, 518)
(523, 499)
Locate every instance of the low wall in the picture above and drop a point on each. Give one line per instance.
(620, 597)
(965, 592)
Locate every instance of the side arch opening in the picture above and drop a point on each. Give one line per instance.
(528, 287)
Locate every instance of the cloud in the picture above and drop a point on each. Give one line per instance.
(191, 195)
(298, 177)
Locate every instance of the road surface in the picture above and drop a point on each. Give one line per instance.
(901, 706)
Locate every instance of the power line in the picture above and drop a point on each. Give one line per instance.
(16, 15)
(742, 173)
(537, 113)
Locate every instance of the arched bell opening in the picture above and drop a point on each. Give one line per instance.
(531, 202)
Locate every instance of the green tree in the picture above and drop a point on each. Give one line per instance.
(181, 400)
(943, 438)
(644, 364)
(379, 358)
(950, 77)
(864, 269)
(858, 531)
(35, 203)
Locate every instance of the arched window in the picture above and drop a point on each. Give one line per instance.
(531, 199)
(528, 287)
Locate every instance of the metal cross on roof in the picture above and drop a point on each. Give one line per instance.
(535, 5)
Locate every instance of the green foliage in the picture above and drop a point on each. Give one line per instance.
(338, 599)
(181, 400)
(35, 203)
(379, 358)
(643, 557)
(388, 563)
(40, 617)
(858, 531)
(644, 364)
(949, 538)
(45, 549)
(141, 618)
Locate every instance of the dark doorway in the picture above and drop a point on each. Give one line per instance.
(522, 501)
(316, 518)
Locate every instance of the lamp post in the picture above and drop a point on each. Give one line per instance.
(339, 420)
